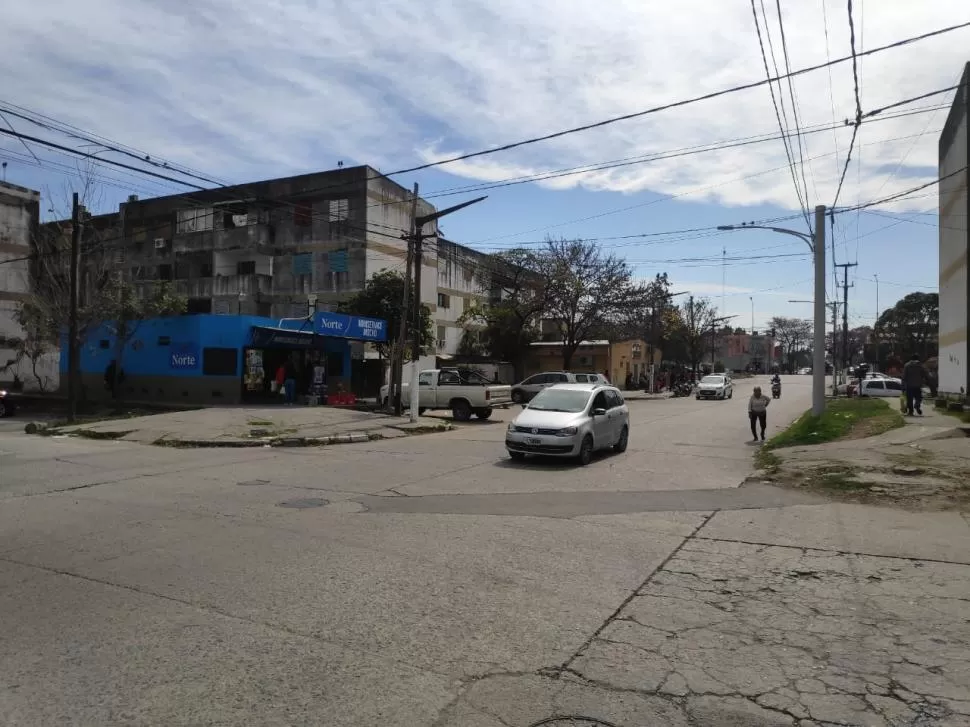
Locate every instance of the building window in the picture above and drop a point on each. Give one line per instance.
(441, 337)
(219, 361)
(303, 214)
(444, 301)
(246, 267)
(196, 219)
(164, 272)
(205, 270)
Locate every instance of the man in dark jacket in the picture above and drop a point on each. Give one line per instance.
(914, 376)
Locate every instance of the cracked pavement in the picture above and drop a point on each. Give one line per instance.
(438, 585)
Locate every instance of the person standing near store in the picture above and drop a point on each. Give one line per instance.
(289, 380)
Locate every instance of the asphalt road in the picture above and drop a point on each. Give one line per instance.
(419, 581)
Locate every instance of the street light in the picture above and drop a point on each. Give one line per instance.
(816, 243)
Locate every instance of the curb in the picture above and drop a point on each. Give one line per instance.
(239, 443)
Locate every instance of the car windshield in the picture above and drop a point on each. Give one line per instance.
(712, 380)
(568, 400)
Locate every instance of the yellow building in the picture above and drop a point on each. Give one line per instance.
(615, 360)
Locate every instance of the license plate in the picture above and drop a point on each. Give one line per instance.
(533, 440)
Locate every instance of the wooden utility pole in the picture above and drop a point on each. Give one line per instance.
(73, 364)
(397, 363)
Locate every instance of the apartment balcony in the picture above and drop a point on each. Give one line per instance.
(248, 237)
(241, 284)
(194, 287)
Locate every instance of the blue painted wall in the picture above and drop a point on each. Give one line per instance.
(187, 336)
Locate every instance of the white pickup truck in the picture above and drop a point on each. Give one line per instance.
(463, 391)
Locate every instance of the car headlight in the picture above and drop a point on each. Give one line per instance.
(567, 431)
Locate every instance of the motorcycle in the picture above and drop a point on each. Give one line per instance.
(776, 390)
(684, 388)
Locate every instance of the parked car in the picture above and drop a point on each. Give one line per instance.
(715, 386)
(8, 405)
(804, 371)
(570, 420)
(528, 388)
(881, 387)
(464, 392)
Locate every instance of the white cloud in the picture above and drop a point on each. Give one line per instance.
(254, 88)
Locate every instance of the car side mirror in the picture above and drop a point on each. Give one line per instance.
(599, 412)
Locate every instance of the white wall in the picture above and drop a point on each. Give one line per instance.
(953, 364)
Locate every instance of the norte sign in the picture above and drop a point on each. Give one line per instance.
(338, 325)
(184, 356)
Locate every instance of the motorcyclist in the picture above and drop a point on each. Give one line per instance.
(776, 380)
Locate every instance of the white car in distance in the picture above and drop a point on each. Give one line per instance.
(715, 386)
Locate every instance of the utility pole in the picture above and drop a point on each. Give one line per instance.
(875, 325)
(834, 305)
(414, 255)
(72, 323)
(846, 356)
(416, 232)
(818, 353)
(397, 362)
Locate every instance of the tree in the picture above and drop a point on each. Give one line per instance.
(124, 310)
(587, 289)
(518, 299)
(911, 326)
(383, 297)
(794, 334)
(33, 345)
(859, 338)
(698, 320)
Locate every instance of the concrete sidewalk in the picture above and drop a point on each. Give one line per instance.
(255, 426)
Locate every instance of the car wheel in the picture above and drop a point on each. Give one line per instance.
(421, 411)
(622, 442)
(384, 403)
(518, 456)
(517, 397)
(461, 411)
(731, 394)
(3, 410)
(484, 412)
(586, 451)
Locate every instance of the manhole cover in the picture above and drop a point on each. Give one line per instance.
(252, 483)
(305, 503)
(571, 721)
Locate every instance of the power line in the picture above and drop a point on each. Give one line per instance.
(899, 195)
(785, 140)
(794, 100)
(858, 104)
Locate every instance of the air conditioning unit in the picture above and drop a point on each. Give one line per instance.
(160, 243)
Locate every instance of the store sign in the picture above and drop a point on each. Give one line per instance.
(281, 338)
(338, 325)
(184, 356)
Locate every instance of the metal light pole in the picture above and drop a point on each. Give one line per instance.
(816, 244)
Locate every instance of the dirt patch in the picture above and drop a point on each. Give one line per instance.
(872, 426)
(924, 487)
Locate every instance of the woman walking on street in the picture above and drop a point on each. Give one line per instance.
(758, 412)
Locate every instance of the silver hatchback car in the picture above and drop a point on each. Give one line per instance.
(570, 420)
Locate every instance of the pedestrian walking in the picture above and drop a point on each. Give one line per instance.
(289, 380)
(914, 376)
(758, 413)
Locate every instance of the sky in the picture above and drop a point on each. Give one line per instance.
(257, 89)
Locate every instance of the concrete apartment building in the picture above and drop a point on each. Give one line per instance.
(954, 150)
(285, 247)
(464, 281)
(19, 219)
(276, 248)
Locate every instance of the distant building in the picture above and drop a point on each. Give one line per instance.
(19, 219)
(464, 281)
(954, 149)
(615, 359)
(745, 352)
